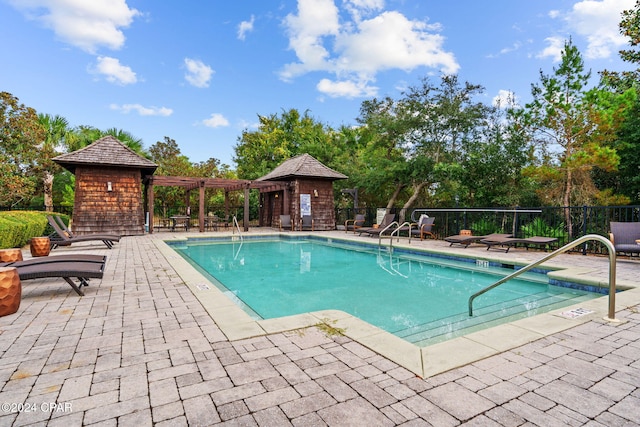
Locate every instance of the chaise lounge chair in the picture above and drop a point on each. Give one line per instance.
(375, 231)
(82, 267)
(625, 237)
(63, 238)
(466, 239)
(64, 228)
(506, 243)
(356, 223)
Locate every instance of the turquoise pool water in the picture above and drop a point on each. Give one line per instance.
(419, 298)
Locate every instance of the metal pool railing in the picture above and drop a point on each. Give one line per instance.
(612, 271)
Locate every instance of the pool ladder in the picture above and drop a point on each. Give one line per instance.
(396, 232)
(612, 271)
(236, 226)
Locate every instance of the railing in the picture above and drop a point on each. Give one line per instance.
(398, 230)
(380, 235)
(565, 248)
(236, 226)
(548, 221)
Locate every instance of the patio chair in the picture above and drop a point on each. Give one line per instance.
(467, 239)
(423, 227)
(506, 243)
(285, 222)
(356, 223)
(306, 223)
(62, 238)
(77, 266)
(625, 237)
(375, 231)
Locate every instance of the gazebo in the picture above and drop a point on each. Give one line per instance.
(310, 192)
(108, 192)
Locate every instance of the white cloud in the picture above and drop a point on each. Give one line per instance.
(143, 111)
(359, 8)
(84, 24)
(215, 121)
(505, 99)
(245, 27)
(356, 50)
(598, 22)
(198, 73)
(113, 71)
(346, 89)
(554, 48)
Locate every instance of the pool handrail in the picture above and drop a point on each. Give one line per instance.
(612, 271)
(385, 229)
(398, 230)
(236, 226)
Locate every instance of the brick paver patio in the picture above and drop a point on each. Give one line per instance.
(139, 350)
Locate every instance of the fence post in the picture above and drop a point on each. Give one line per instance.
(584, 228)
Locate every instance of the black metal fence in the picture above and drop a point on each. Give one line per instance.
(565, 223)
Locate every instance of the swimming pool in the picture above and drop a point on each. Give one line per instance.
(418, 298)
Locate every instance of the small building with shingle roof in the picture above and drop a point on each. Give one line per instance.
(108, 193)
(310, 192)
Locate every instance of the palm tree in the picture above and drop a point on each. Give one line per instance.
(56, 130)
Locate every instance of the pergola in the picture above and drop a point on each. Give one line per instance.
(191, 183)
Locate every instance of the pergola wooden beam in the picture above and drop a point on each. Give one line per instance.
(191, 183)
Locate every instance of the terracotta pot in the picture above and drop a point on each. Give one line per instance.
(10, 290)
(40, 246)
(10, 255)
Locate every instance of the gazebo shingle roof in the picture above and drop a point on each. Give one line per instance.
(106, 151)
(302, 165)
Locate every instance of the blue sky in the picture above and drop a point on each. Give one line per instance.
(202, 71)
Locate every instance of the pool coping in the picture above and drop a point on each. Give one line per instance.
(236, 324)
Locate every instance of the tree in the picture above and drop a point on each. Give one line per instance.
(573, 128)
(626, 180)
(171, 162)
(20, 136)
(492, 168)
(278, 138)
(56, 130)
(449, 120)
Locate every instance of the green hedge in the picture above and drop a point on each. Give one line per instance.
(17, 227)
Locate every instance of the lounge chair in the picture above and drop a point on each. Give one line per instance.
(467, 239)
(423, 227)
(356, 223)
(62, 238)
(506, 243)
(285, 222)
(306, 223)
(66, 229)
(375, 231)
(625, 237)
(55, 266)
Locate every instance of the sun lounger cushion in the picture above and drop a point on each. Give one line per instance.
(506, 243)
(45, 268)
(465, 239)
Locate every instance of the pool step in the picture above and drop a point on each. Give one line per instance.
(487, 316)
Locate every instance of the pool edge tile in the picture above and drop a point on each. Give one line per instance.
(447, 355)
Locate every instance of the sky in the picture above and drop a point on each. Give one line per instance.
(201, 72)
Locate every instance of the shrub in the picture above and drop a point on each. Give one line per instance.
(538, 227)
(17, 227)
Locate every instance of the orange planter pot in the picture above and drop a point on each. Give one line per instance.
(10, 255)
(10, 290)
(40, 246)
